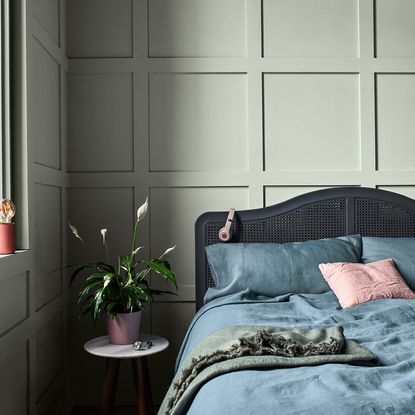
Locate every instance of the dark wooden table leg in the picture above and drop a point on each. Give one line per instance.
(112, 369)
(142, 386)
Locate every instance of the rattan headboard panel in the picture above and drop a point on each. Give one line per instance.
(322, 214)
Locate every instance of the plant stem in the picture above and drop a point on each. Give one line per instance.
(106, 250)
(134, 234)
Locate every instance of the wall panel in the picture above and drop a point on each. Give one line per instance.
(395, 29)
(49, 354)
(395, 98)
(171, 21)
(310, 28)
(48, 241)
(48, 14)
(47, 128)
(100, 121)
(311, 122)
(183, 137)
(14, 301)
(14, 391)
(99, 28)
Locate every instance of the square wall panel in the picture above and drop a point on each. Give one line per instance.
(198, 122)
(197, 28)
(278, 194)
(100, 122)
(173, 214)
(46, 126)
(49, 354)
(48, 243)
(395, 28)
(304, 28)
(92, 209)
(395, 98)
(47, 12)
(14, 381)
(14, 305)
(99, 28)
(311, 122)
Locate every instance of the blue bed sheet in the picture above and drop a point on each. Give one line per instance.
(385, 327)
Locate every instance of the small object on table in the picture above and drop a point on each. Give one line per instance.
(114, 353)
(142, 345)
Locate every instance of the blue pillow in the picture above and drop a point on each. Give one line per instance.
(273, 269)
(401, 250)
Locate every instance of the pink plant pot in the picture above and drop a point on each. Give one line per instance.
(123, 328)
(7, 238)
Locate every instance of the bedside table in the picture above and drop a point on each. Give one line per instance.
(114, 353)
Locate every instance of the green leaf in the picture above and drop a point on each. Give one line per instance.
(108, 278)
(162, 267)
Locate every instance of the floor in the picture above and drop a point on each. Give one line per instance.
(119, 410)
(95, 410)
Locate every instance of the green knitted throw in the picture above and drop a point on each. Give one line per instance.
(257, 347)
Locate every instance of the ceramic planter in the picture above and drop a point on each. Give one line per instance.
(7, 238)
(123, 328)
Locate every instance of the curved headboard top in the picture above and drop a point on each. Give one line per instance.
(326, 213)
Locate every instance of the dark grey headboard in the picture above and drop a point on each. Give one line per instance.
(321, 214)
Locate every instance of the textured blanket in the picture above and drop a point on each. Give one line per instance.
(246, 347)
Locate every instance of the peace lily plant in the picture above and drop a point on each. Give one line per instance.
(122, 288)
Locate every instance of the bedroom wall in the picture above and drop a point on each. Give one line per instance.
(204, 105)
(33, 301)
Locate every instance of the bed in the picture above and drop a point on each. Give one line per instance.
(384, 327)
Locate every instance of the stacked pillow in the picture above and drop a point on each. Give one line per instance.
(272, 269)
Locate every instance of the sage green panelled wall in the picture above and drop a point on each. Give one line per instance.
(208, 104)
(33, 301)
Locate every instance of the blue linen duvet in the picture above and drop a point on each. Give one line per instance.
(385, 327)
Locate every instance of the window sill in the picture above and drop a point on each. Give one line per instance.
(18, 251)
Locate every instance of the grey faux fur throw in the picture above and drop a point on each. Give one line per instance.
(243, 347)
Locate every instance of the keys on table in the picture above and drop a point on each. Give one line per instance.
(139, 345)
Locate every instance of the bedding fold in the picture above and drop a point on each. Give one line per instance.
(244, 347)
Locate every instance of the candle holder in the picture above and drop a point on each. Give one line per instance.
(7, 228)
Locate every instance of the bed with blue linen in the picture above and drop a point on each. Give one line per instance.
(270, 335)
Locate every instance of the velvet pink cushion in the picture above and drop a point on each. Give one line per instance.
(355, 283)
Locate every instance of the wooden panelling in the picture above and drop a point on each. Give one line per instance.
(171, 22)
(14, 301)
(49, 354)
(395, 98)
(317, 28)
(14, 397)
(311, 122)
(195, 122)
(48, 242)
(100, 121)
(395, 28)
(46, 128)
(99, 28)
(48, 14)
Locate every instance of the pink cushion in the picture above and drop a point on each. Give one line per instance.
(355, 283)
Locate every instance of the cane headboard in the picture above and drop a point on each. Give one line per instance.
(321, 214)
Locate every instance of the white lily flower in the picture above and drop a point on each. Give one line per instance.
(74, 230)
(168, 250)
(137, 249)
(103, 233)
(142, 210)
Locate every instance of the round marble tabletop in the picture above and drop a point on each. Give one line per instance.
(101, 347)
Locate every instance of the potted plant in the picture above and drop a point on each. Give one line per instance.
(121, 291)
